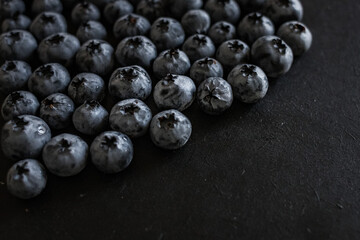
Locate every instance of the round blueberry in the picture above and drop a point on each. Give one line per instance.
(223, 10)
(170, 129)
(280, 11)
(204, 68)
(221, 32)
(91, 30)
(111, 152)
(251, 5)
(171, 61)
(151, 9)
(39, 6)
(232, 53)
(196, 21)
(19, 103)
(116, 9)
(48, 23)
(9, 8)
(18, 22)
(14, 76)
(85, 11)
(179, 8)
(198, 46)
(131, 25)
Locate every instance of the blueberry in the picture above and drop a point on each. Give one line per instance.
(222, 31)
(17, 45)
(18, 21)
(90, 118)
(205, 68)
(167, 33)
(297, 36)
(280, 11)
(86, 87)
(214, 95)
(223, 10)
(196, 21)
(91, 30)
(170, 129)
(9, 8)
(100, 3)
(65, 155)
(232, 53)
(26, 179)
(56, 110)
(151, 9)
(47, 79)
(24, 137)
(174, 92)
(111, 152)
(39, 6)
(179, 8)
(14, 76)
(85, 11)
(171, 61)
(116, 9)
(198, 46)
(95, 56)
(272, 55)
(249, 83)
(19, 103)
(131, 25)
(130, 116)
(254, 26)
(48, 23)
(251, 5)
(58, 47)
(137, 50)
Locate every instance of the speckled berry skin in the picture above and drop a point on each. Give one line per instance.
(253, 26)
(179, 8)
(232, 53)
(130, 82)
(196, 21)
(249, 83)
(280, 11)
(14, 76)
(96, 56)
(19, 21)
(174, 92)
(131, 25)
(214, 96)
(56, 110)
(137, 50)
(111, 152)
(170, 129)
(65, 155)
(116, 9)
(248, 6)
(272, 55)
(198, 46)
(222, 31)
(24, 137)
(17, 45)
(46, 24)
(171, 61)
(91, 30)
(9, 8)
(151, 9)
(26, 179)
(19, 103)
(85, 11)
(130, 116)
(205, 68)
(86, 87)
(48, 79)
(39, 6)
(297, 36)
(90, 118)
(223, 10)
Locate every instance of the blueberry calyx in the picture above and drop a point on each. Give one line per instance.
(297, 28)
(15, 36)
(236, 46)
(173, 53)
(20, 123)
(284, 3)
(94, 47)
(207, 61)
(77, 82)
(169, 78)
(85, 4)
(10, 66)
(86, 24)
(55, 40)
(256, 17)
(92, 104)
(168, 121)
(200, 40)
(136, 42)
(46, 70)
(65, 145)
(132, 19)
(109, 142)
(131, 109)
(47, 18)
(49, 103)
(224, 28)
(22, 169)
(248, 71)
(15, 96)
(163, 25)
(129, 74)
(279, 45)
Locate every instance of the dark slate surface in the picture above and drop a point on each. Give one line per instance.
(285, 168)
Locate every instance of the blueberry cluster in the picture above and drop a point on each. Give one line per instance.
(62, 60)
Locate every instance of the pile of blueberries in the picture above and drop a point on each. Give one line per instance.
(84, 52)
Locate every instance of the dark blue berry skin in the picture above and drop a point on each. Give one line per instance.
(39, 6)
(26, 179)
(48, 79)
(56, 110)
(130, 82)
(196, 21)
(171, 61)
(65, 155)
(254, 26)
(130, 116)
(90, 118)
(19, 103)
(174, 92)
(221, 32)
(297, 36)
(14, 76)
(91, 30)
(179, 8)
(170, 129)
(116, 9)
(281, 11)
(58, 48)
(167, 33)
(85, 11)
(272, 55)
(46, 24)
(9, 8)
(19, 21)
(223, 10)
(96, 56)
(111, 152)
(100, 3)
(249, 83)
(24, 137)
(232, 53)
(214, 96)
(204, 68)
(151, 9)
(131, 25)
(249, 6)
(198, 46)
(17, 45)
(86, 87)
(137, 50)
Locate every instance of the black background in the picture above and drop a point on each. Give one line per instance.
(285, 168)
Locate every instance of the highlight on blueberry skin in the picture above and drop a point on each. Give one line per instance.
(232, 53)
(172, 61)
(131, 25)
(198, 46)
(226, 10)
(19, 21)
(222, 31)
(46, 24)
(280, 11)
(196, 21)
(204, 68)
(14, 76)
(19, 103)
(91, 30)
